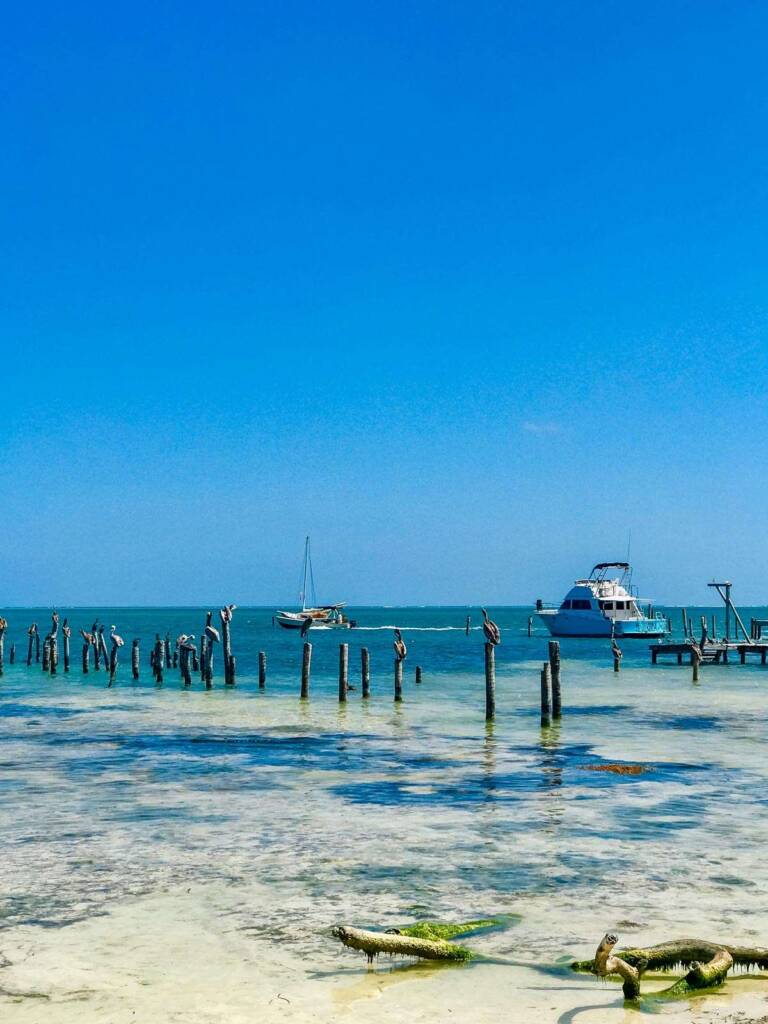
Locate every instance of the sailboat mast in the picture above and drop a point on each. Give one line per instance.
(304, 585)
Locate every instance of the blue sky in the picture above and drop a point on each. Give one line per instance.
(466, 291)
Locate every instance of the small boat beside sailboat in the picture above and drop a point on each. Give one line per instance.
(324, 616)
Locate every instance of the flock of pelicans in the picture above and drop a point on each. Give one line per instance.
(185, 648)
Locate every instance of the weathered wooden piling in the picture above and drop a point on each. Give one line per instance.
(703, 639)
(12, 658)
(695, 662)
(3, 628)
(54, 637)
(263, 667)
(490, 681)
(546, 704)
(418, 674)
(167, 651)
(685, 622)
(468, 625)
(203, 655)
(365, 672)
(135, 658)
(618, 654)
(66, 630)
(398, 680)
(157, 658)
(554, 666)
(96, 648)
(37, 645)
(530, 625)
(212, 636)
(176, 656)
(306, 664)
(343, 672)
(225, 614)
(47, 654)
(113, 663)
(86, 651)
(31, 632)
(195, 660)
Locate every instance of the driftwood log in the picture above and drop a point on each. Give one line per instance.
(633, 963)
(373, 943)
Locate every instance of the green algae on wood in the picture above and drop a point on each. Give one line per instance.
(373, 943)
(437, 931)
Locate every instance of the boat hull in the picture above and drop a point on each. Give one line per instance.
(562, 624)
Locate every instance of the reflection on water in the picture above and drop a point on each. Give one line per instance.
(365, 810)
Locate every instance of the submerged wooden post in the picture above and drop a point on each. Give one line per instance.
(490, 681)
(418, 674)
(167, 651)
(263, 668)
(343, 672)
(714, 627)
(46, 654)
(37, 644)
(468, 625)
(54, 636)
(703, 631)
(618, 654)
(3, 627)
(225, 614)
(157, 658)
(554, 665)
(530, 625)
(135, 659)
(96, 648)
(12, 658)
(112, 663)
(365, 671)
(305, 667)
(546, 705)
(86, 652)
(398, 680)
(31, 633)
(66, 629)
(685, 622)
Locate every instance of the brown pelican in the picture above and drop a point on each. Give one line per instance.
(32, 629)
(306, 625)
(227, 612)
(187, 643)
(617, 651)
(399, 644)
(66, 628)
(116, 640)
(210, 632)
(491, 630)
(90, 638)
(3, 625)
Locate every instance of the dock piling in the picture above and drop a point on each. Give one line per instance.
(398, 680)
(546, 705)
(490, 681)
(66, 630)
(554, 665)
(343, 672)
(365, 672)
(418, 675)
(135, 659)
(306, 666)
(263, 669)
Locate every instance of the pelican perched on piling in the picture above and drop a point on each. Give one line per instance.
(90, 638)
(210, 632)
(66, 628)
(116, 640)
(401, 651)
(3, 625)
(32, 631)
(227, 612)
(306, 625)
(491, 630)
(187, 643)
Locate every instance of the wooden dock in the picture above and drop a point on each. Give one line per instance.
(713, 652)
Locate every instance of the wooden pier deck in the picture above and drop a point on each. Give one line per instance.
(714, 652)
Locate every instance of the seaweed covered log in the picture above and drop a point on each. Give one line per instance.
(708, 975)
(683, 952)
(373, 943)
(607, 963)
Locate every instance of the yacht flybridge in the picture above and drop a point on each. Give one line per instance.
(602, 605)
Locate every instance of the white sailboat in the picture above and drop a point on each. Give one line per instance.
(327, 616)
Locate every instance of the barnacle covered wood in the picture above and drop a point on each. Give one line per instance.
(372, 943)
(685, 952)
(707, 975)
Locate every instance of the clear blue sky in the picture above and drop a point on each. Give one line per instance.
(464, 290)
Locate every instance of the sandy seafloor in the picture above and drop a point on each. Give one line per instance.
(173, 856)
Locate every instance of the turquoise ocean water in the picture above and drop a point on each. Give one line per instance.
(375, 813)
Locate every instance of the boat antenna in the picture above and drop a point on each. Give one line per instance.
(311, 577)
(303, 594)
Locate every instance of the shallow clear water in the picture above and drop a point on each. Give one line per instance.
(376, 813)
